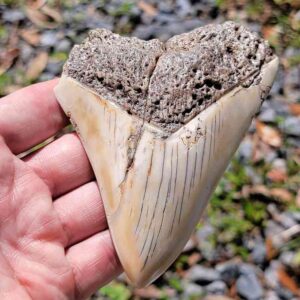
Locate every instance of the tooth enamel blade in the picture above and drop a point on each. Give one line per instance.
(160, 125)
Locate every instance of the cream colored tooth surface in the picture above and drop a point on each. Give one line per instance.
(153, 206)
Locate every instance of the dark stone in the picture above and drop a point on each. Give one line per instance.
(229, 271)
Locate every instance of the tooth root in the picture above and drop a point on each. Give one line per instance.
(153, 206)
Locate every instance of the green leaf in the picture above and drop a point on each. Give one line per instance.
(116, 291)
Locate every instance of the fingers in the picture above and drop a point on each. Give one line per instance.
(94, 262)
(63, 164)
(30, 115)
(81, 213)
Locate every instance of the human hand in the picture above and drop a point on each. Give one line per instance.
(54, 242)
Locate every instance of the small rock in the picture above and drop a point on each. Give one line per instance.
(248, 286)
(207, 249)
(46, 76)
(13, 15)
(49, 39)
(64, 46)
(271, 274)
(284, 293)
(228, 271)
(268, 116)
(245, 150)
(288, 259)
(291, 126)
(202, 274)
(54, 67)
(258, 253)
(192, 289)
(216, 287)
(296, 216)
(271, 295)
(272, 228)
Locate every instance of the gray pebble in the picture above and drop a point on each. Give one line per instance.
(258, 253)
(49, 39)
(202, 274)
(248, 285)
(13, 15)
(63, 46)
(291, 126)
(268, 116)
(192, 289)
(217, 287)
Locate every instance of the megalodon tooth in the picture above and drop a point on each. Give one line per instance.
(160, 123)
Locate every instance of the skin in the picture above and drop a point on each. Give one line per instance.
(54, 242)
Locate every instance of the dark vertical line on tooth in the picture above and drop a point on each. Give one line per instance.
(210, 141)
(215, 135)
(145, 191)
(148, 255)
(166, 201)
(192, 181)
(174, 190)
(174, 216)
(184, 186)
(219, 121)
(158, 193)
(203, 150)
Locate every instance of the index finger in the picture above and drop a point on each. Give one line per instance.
(30, 116)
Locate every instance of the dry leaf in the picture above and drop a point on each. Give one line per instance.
(37, 65)
(281, 194)
(52, 13)
(288, 282)
(31, 36)
(277, 175)
(295, 109)
(194, 258)
(271, 251)
(147, 8)
(7, 58)
(45, 17)
(268, 134)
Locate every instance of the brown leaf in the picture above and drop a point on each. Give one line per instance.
(147, 8)
(281, 194)
(288, 282)
(31, 36)
(268, 134)
(7, 58)
(37, 65)
(260, 189)
(271, 251)
(194, 258)
(45, 17)
(295, 109)
(277, 175)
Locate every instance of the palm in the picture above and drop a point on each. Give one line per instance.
(48, 249)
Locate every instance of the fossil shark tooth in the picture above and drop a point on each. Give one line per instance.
(160, 122)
